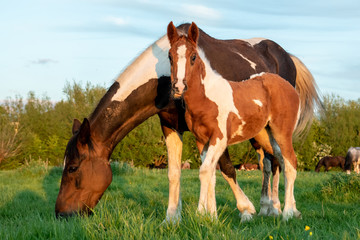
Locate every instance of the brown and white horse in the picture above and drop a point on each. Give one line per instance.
(221, 113)
(352, 158)
(143, 90)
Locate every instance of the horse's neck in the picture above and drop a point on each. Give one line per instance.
(130, 100)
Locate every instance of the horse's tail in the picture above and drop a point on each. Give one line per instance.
(319, 165)
(309, 97)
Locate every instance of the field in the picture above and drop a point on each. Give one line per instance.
(135, 204)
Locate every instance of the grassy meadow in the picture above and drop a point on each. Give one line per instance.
(134, 207)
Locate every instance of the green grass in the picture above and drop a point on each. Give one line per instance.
(135, 204)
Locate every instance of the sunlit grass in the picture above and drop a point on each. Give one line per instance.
(134, 207)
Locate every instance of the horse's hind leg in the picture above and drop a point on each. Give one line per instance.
(265, 167)
(269, 202)
(283, 150)
(244, 205)
(276, 210)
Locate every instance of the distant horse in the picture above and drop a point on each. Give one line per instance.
(221, 113)
(143, 90)
(249, 166)
(352, 158)
(329, 162)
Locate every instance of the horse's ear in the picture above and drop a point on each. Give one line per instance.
(76, 126)
(193, 33)
(84, 132)
(172, 33)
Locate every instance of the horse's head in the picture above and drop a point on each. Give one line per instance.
(184, 58)
(87, 173)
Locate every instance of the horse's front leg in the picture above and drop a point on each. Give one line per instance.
(211, 199)
(174, 147)
(211, 154)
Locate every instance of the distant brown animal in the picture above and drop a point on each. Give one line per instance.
(328, 162)
(249, 167)
(185, 165)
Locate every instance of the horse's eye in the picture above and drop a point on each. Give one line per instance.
(170, 58)
(73, 169)
(193, 58)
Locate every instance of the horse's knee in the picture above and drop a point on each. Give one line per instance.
(174, 175)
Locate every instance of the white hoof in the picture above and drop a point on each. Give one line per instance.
(290, 213)
(246, 216)
(274, 212)
(264, 211)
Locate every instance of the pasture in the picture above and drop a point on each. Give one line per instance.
(134, 207)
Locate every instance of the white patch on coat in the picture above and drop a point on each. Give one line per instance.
(258, 102)
(152, 63)
(257, 75)
(181, 64)
(252, 64)
(218, 90)
(254, 41)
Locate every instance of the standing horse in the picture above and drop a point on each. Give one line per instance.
(352, 158)
(328, 162)
(221, 113)
(142, 91)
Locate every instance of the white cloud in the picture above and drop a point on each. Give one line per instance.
(116, 20)
(43, 61)
(201, 11)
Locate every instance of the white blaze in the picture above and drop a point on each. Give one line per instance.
(181, 68)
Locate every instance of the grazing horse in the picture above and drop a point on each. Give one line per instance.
(328, 162)
(143, 90)
(221, 113)
(352, 158)
(249, 167)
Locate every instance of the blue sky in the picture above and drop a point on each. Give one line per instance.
(45, 43)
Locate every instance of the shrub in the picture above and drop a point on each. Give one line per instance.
(341, 187)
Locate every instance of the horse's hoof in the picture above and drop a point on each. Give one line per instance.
(273, 212)
(264, 211)
(246, 217)
(297, 214)
(174, 219)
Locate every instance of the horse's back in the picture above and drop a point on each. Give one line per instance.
(280, 90)
(237, 59)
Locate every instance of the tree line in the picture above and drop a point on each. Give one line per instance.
(37, 129)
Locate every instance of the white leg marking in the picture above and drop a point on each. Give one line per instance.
(276, 210)
(207, 171)
(290, 204)
(174, 146)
